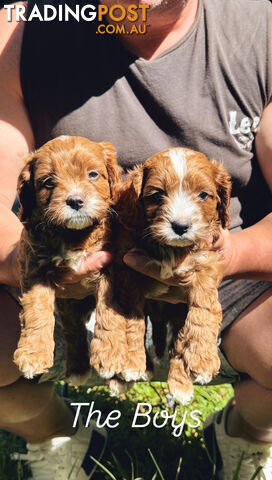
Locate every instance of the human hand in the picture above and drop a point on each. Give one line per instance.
(70, 279)
(14, 270)
(149, 267)
(91, 264)
(226, 245)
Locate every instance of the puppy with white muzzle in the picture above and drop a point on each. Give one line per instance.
(167, 209)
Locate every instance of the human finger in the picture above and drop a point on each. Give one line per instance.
(174, 295)
(147, 266)
(91, 264)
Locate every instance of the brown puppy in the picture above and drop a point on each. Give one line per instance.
(167, 209)
(65, 196)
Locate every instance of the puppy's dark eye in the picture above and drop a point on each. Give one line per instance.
(203, 195)
(49, 183)
(156, 196)
(93, 174)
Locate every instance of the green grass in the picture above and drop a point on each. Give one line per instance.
(139, 453)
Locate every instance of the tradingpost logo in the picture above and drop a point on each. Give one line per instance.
(132, 18)
(118, 13)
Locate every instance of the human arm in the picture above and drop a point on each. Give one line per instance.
(245, 256)
(16, 140)
(248, 253)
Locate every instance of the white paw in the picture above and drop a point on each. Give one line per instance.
(182, 397)
(203, 379)
(32, 363)
(107, 373)
(133, 375)
(29, 372)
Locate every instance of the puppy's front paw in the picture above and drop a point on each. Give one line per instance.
(135, 368)
(108, 353)
(182, 392)
(106, 365)
(33, 363)
(203, 368)
(179, 382)
(134, 375)
(203, 378)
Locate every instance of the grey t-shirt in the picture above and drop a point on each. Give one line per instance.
(207, 92)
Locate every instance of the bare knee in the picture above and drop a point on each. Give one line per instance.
(246, 342)
(9, 334)
(263, 378)
(22, 401)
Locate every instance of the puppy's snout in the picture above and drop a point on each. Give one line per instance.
(76, 202)
(180, 227)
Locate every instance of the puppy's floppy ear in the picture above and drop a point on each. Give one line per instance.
(25, 189)
(137, 176)
(223, 186)
(113, 169)
(128, 204)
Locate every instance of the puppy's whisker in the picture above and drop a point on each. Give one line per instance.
(146, 233)
(112, 212)
(40, 224)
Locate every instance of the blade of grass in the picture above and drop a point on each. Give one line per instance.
(178, 469)
(71, 471)
(104, 468)
(121, 469)
(19, 471)
(157, 392)
(214, 455)
(256, 473)
(236, 473)
(131, 465)
(156, 465)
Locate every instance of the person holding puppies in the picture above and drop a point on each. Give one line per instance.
(199, 78)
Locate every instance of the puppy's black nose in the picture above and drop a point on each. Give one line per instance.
(180, 227)
(75, 202)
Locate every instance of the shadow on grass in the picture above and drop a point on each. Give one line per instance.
(146, 453)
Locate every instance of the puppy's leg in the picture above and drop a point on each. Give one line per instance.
(35, 351)
(109, 343)
(200, 333)
(155, 310)
(130, 298)
(74, 314)
(135, 368)
(179, 382)
(118, 386)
